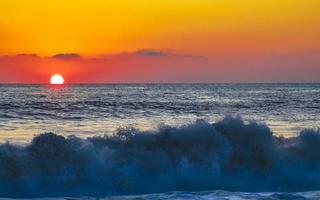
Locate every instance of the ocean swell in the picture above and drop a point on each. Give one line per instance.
(226, 155)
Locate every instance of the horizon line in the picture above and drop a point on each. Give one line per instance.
(159, 83)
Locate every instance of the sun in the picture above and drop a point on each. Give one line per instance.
(56, 79)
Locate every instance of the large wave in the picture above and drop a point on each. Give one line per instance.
(226, 155)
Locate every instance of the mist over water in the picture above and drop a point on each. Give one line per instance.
(90, 110)
(227, 155)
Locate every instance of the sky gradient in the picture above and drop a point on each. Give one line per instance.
(101, 41)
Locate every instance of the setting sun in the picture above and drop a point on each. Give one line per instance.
(56, 79)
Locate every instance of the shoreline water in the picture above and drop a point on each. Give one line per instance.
(107, 140)
(230, 155)
(203, 195)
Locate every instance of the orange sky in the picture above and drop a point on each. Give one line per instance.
(160, 41)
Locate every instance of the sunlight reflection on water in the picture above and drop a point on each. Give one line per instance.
(87, 110)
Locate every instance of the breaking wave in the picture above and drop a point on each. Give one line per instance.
(226, 155)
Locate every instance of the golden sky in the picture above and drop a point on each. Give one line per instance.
(208, 40)
(97, 27)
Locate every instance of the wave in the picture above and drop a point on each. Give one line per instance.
(227, 155)
(225, 195)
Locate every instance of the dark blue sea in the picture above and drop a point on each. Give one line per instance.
(160, 141)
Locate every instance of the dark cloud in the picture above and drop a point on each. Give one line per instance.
(151, 53)
(157, 53)
(67, 56)
(194, 56)
(33, 55)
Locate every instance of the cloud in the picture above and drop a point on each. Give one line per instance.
(194, 56)
(159, 53)
(164, 66)
(33, 55)
(67, 56)
(151, 53)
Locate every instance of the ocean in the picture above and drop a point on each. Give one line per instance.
(88, 110)
(160, 141)
(206, 195)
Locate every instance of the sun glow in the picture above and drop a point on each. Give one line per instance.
(56, 79)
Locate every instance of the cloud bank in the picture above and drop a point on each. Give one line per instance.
(67, 56)
(158, 66)
(151, 53)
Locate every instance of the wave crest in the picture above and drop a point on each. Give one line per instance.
(229, 155)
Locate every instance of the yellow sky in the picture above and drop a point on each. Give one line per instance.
(203, 27)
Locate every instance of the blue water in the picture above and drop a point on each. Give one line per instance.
(208, 195)
(147, 141)
(87, 110)
(222, 195)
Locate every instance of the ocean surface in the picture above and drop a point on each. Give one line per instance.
(207, 195)
(160, 141)
(87, 110)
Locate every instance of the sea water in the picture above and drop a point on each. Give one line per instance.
(167, 141)
(88, 110)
